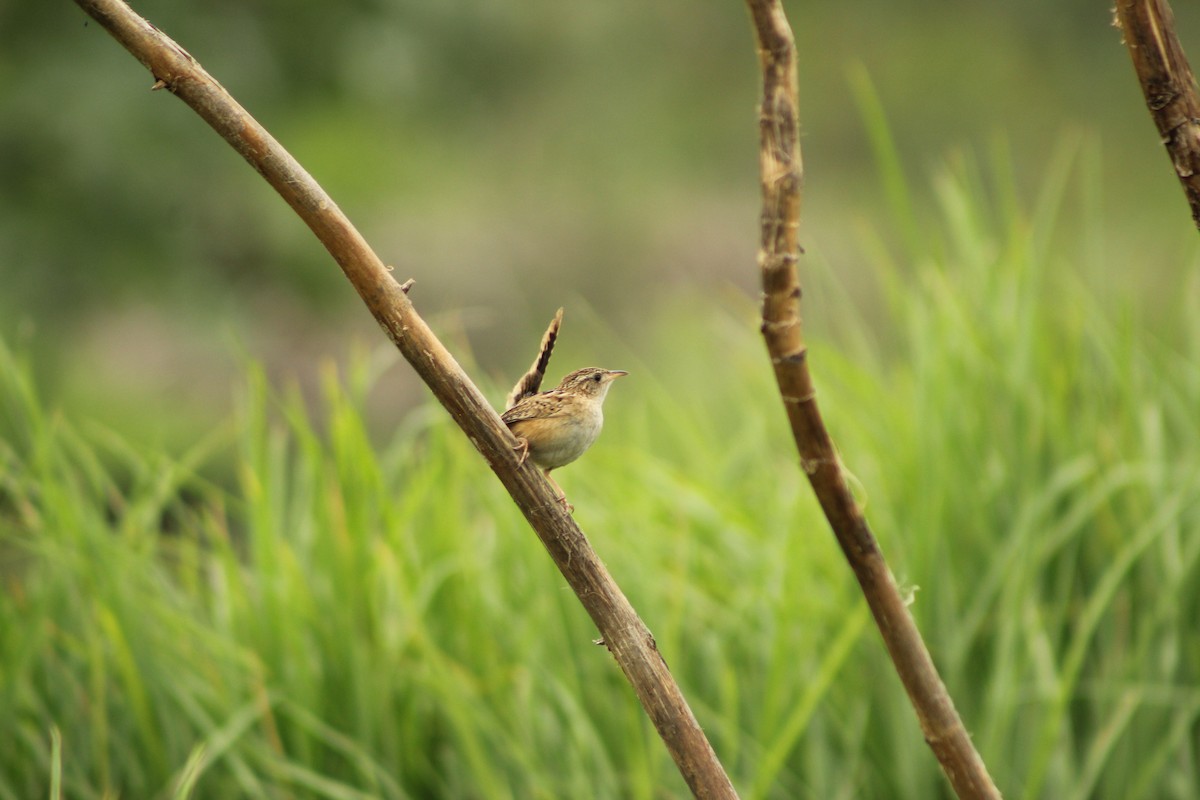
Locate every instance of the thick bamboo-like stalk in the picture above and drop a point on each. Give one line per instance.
(1168, 85)
(782, 177)
(626, 636)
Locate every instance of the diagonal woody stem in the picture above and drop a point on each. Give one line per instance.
(782, 178)
(626, 636)
(1168, 85)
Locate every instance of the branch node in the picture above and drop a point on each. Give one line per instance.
(408, 284)
(794, 358)
(793, 400)
(769, 326)
(772, 260)
(812, 465)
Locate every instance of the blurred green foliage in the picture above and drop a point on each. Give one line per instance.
(1006, 354)
(342, 618)
(511, 158)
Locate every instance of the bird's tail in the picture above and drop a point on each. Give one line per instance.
(531, 381)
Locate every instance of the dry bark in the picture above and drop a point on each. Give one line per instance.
(782, 179)
(1168, 85)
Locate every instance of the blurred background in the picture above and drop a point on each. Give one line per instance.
(511, 157)
(321, 593)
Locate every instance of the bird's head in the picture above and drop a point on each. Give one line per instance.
(590, 382)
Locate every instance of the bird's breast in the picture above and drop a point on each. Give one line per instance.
(557, 441)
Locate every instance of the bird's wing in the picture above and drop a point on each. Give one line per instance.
(540, 406)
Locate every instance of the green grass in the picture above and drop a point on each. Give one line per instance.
(348, 618)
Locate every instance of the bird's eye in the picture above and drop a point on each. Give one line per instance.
(596, 377)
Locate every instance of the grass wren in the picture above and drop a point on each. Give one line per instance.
(556, 427)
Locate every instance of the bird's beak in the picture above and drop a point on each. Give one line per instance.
(613, 374)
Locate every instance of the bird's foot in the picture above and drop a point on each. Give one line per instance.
(562, 496)
(522, 447)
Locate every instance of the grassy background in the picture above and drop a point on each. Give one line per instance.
(512, 158)
(308, 586)
(293, 608)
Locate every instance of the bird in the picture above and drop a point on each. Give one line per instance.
(556, 427)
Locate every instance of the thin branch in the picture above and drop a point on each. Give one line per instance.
(625, 634)
(1168, 85)
(782, 179)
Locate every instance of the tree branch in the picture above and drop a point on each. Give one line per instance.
(625, 634)
(782, 178)
(1169, 86)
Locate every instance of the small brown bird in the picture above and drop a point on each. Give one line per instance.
(556, 427)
